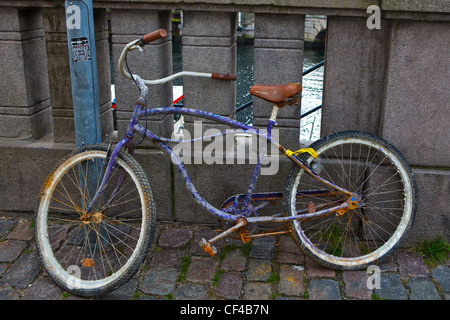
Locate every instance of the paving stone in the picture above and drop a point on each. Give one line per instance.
(288, 298)
(8, 294)
(11, 249)
(234, 261)
(167, 258)
(175, 238)
(5, 226)
(3, 267)
(229, 285)
(313, 269)
(22, 231)
(201, 269)
(422, 289)
(411, 264)
(23, 272)
(257, 291)
(287, 244)
(291, 281)
(44, 288)
(442, 275)
(259, 270)
(191, 291)
(291, 258)
(263, 248)
(151, 298)
(356, 284)
(74, 297)
(391, 287)
(388, 264)
(159, 282)
(125, 292)
(324, 289)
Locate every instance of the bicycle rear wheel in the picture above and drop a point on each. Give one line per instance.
(370, 167)
(92, 254)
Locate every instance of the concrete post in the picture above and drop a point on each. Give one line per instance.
(355, 67)
(209, 45)
(278, 59)
(153, 63)
(25, 111)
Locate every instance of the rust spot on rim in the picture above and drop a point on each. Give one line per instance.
(46, 184)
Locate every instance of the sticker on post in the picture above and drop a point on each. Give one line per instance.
(80, 49)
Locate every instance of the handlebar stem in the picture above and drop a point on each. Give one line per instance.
(141, 85)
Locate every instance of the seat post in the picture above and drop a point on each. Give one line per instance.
(273, 116)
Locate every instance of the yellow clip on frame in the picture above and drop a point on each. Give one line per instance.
(311, 151)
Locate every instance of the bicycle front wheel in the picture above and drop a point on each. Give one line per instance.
(93, 253)
(369, 167)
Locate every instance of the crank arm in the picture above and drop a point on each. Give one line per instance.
(211, 250)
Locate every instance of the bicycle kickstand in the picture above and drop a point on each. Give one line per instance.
(210, 249)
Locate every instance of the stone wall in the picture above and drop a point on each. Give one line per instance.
(391, 81)
(25, 111)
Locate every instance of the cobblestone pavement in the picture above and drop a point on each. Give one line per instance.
(266, 268)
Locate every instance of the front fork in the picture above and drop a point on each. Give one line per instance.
(109, 162)
(111, 156)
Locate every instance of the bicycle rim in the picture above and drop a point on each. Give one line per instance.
(375, 170)
(90, 254)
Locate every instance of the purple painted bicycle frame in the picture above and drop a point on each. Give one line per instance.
(222, 214)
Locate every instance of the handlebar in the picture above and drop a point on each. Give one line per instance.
(153, 36)
(223, 76)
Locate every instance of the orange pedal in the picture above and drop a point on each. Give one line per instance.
(244, 235)
(209, 249)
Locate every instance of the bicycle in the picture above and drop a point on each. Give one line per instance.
(95, 218)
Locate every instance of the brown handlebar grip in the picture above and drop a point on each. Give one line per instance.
(223, 76)
(155, 35)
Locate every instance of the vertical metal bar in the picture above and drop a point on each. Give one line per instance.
(83, 71)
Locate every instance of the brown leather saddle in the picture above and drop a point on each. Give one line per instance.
(280, 95)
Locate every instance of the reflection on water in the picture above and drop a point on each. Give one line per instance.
(312, 95)
(312, 87)
(244, 82)
(177, 63)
